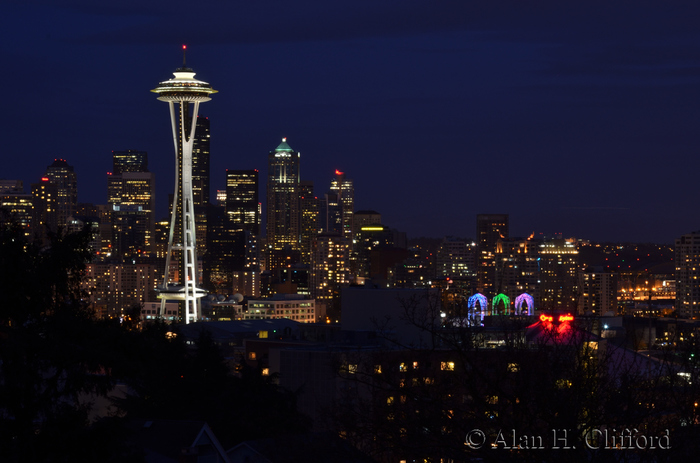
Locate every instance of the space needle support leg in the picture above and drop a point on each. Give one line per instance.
(173, 212)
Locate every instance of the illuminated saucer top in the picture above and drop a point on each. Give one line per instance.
(184, 87)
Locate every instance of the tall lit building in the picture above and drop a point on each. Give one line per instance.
(518, 267)
(201, 172)
(129, 161)
(16, 203)
(242, 200)
(330, 217)
(308, 207)
(63, 176)
(183, 93)
(490, 230)
(330, 269)
(282, 204)
(44, 208)
(345, 191)
(598, 292)
(559, 275)
(455, 259)
(131, 195)
(687, 258)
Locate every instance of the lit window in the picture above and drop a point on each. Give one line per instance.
(251, 356)
(447, 366)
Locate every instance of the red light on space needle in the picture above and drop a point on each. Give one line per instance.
(184, 47)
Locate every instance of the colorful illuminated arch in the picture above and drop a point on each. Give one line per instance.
(496, 300)
(527, 299)
(483, 303)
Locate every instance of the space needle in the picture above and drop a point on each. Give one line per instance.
(183, 93)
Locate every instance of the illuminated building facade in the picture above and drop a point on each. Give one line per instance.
(131, 195)
(518, 267)
(183, 93)
(44, 208)
(292, 306)
(345, 193)
(330, 214)
(282, 204)
(364, 218)
(129, 161)
(456, 258)
(201, 175)
(491, 229)
(114, 288)
(16, 203)
(309, 210)
(330, 268)
(242, 200)
(559, 275)
(687, 259)
(63, 176)
(598, 292)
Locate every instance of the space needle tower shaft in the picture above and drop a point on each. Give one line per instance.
(183, 93)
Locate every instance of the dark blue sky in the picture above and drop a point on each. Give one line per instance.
(580, 119)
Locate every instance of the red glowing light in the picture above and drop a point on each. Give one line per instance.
(44, 179)
(184, 47)
(546, 318)
(566, 318)
(337, 172)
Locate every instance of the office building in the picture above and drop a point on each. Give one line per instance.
(63, 176)
(17, 204)
(687, 259)
(131, 196)
(129, 161)
(559, 275)
(345, 192)
(598, 292)
(491, 229)
(44, 208)
(330, 269)
(242, 200)
(309, 210)
(282, 204)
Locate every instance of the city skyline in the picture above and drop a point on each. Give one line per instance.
(571, 119)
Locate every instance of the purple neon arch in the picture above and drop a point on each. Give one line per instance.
(483, 303)
(525, 297)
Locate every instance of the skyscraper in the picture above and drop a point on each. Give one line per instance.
(330, 269)
(44, 207)
(490, 229)
(200, 163)
(184, 90)
(62, 175)
(131, 195)
(129, 161)
(687, 261)
(308, 206)
(282, 203)
(16, 203)
(558, 275)
(343, 188)
(242, 200)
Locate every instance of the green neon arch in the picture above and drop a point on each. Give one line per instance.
(496, 300)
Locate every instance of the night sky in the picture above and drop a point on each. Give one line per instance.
(575, 119)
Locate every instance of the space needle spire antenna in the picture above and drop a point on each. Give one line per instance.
(183, 93)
